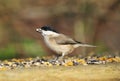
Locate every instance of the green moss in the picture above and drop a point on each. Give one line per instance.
(7, 52)
(31, 48)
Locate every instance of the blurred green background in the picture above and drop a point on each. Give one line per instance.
(94, 22)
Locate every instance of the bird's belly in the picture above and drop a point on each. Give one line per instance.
(59, 48)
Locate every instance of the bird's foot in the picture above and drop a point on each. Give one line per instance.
(57, 61)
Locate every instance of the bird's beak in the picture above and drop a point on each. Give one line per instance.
(38, 30)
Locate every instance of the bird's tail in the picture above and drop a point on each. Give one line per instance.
(84, 45)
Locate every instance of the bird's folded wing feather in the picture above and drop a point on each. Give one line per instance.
(62, 39)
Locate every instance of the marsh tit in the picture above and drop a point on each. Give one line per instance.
(58, 42)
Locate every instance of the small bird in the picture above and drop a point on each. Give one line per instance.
(58, 42)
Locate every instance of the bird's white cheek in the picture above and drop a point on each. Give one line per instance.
(44, 33)
(47, 33)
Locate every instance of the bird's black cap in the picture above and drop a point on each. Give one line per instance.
(48, 28)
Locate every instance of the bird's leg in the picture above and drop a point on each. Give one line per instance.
(60, 58)
(57, 57)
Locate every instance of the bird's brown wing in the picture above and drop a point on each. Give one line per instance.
(64, 40)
